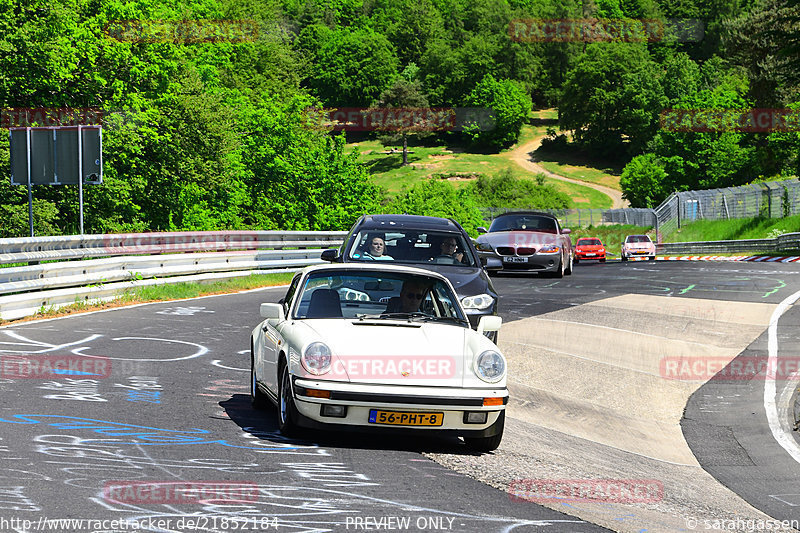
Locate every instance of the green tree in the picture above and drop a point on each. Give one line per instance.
(505, 190)
(644, 181)
(353, 67)
(612, 98)
(510, 106)
(438, 198)
(405, 96)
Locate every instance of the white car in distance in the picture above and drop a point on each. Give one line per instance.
(375, 347)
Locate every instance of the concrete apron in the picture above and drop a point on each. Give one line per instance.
(591, 399)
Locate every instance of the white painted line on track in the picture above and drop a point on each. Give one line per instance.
(778, 424)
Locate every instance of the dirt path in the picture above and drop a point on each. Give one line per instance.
(523, 156)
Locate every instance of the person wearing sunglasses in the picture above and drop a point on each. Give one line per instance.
(411, 295)
(448, 252)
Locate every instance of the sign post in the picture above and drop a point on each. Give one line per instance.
(56, 155)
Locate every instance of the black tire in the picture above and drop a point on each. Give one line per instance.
(603, 260)
(287, 411)
(488, 444)
(653, 258)
(559, 273)
(257, 398)
(568, 270)
(576, 261)
(624, 258)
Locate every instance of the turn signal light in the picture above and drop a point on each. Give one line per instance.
(492, 402)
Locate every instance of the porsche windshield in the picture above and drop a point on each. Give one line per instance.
(377, 295)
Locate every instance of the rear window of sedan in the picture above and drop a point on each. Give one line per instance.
(638, 238)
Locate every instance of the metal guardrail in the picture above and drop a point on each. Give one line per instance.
(787, 241)
(136, 259)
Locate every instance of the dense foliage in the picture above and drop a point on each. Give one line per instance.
(219, 134)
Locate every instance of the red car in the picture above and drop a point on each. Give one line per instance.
(590, 248)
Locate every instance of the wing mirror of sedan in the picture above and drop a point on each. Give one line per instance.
(481, 229)
(566, 231)
(272, 312)
(331, 255)
(491, 263)
(489, 323)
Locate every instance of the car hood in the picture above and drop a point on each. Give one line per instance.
(395, 351)
(519, 239)
(467, 281)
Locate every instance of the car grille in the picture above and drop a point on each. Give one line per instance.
(506, 250)
(526, 251)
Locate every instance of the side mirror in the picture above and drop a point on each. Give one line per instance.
(489, 323)
(272, 312)
(332, 255)
(481, 229)
(491, 263)
(566, 231)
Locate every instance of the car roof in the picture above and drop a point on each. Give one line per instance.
(374, 266)
(538, 213)
(417, 222)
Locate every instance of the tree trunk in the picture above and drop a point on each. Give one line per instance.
(405, 150)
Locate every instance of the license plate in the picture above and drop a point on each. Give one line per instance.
(515, 259)
(590, 253)
(394, 418)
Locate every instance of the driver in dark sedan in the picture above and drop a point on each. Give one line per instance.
(448, 252)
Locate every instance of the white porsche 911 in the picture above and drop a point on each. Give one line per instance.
(366, 346)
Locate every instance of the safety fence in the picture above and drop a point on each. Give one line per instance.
(82, 268)
(774, 199)
(788, 242)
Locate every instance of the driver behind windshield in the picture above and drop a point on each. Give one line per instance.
(449, 248)
(411, 295)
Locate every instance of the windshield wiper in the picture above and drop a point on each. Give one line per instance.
(421, 316)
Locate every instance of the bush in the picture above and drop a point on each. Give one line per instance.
(506, 190)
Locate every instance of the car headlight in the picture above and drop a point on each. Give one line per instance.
(484, 247)
(549, 249)
(490, 366)
(316, 358)
(481, 301)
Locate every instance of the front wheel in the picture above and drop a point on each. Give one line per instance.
(652, 258)
(624, 258)
(568, 271)
(287, 411)
(488, 444)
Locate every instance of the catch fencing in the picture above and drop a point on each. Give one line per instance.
(49, 272)
(773, 199)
